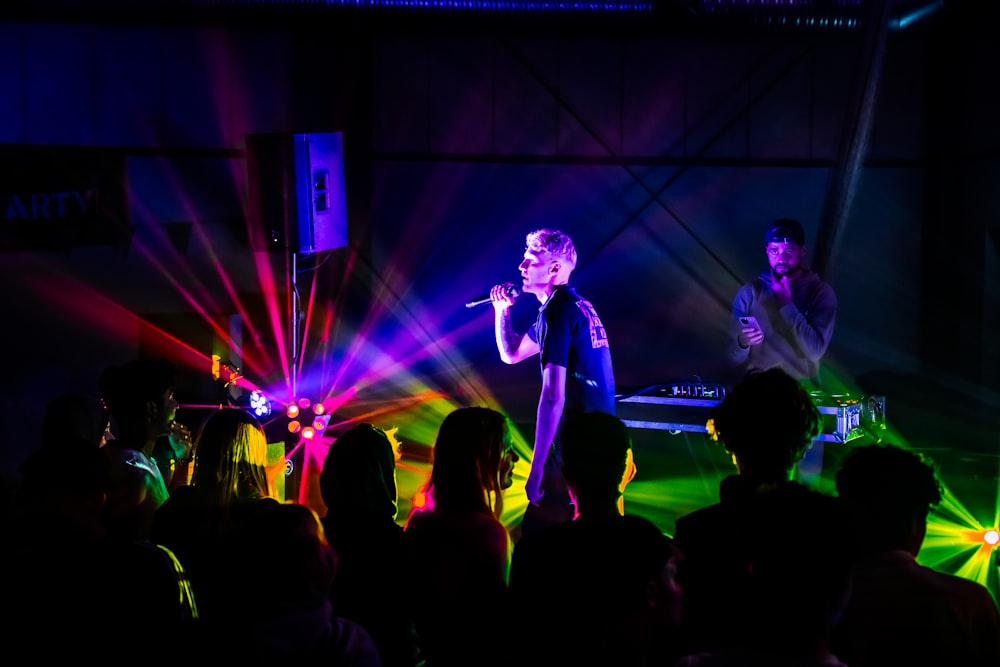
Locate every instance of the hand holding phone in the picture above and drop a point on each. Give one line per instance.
(751, 333)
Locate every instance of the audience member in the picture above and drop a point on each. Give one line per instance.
(902, 612)
(358, 487)
(798, 581)
(774, 573)
(229, 474)
(70, 421)
(139, 395)
(72, 548)
(458, 549)
(69, 581)
(277, 583)
(610, 576)
(71, 418)
(765, 422)
(600, 465)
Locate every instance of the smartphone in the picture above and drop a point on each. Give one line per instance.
(749, 321)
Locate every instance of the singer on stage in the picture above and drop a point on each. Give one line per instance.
(575, 360)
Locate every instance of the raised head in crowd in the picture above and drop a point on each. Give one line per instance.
(358, 487)
(901, 611)
(766, 423)
(457, 547)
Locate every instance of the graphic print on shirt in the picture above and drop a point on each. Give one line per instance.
(598, 335)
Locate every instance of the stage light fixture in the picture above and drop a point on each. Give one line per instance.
(991, 537)
(321, 422)
(260, 404)
(307, 426)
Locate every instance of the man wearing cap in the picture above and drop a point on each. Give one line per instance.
(785, 316)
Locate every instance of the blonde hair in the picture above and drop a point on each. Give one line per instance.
(468, 451)
(553, 243)
(231, 455)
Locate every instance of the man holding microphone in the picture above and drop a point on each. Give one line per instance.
(575, 359)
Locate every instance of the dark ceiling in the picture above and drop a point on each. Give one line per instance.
(662, 16)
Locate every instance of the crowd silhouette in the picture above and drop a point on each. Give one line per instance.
(358, 487)
(109, 552)
(457, 545)
(715, 539)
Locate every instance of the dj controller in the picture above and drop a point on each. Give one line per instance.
(686, 406)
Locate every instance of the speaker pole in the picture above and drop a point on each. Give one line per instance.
(295, 333)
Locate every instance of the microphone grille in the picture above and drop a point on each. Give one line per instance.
(513, 292)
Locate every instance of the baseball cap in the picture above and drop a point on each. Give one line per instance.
(785, 230)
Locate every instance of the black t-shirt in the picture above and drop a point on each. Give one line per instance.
(570, 334)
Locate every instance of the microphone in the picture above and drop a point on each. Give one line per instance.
(479, 300)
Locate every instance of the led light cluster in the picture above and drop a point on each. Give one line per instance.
(306, 418)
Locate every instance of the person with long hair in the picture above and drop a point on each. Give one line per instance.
(231, 457)
(358, 487)
(196, 520)
(459, 549)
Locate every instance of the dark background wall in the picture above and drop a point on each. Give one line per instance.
(663, 147)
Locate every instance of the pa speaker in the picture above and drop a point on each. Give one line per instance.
(297, 198)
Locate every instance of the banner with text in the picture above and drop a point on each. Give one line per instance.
(59, 198)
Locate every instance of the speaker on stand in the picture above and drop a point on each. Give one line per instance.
(297, 198)
(298, 206)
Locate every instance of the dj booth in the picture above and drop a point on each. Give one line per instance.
(687, 406)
